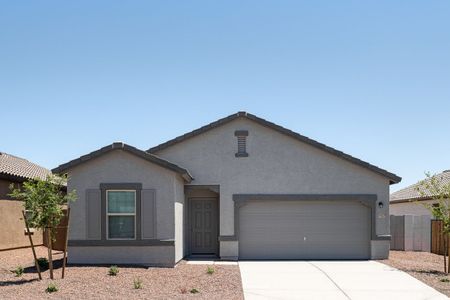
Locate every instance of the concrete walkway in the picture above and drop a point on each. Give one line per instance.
(330, 280)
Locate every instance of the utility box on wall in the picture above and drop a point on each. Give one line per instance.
(411, 233)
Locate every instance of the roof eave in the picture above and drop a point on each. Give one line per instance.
(187, 177)
(395, 179)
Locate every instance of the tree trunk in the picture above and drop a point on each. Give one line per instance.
(32, 245)
(65, 244)
(444, 239)
(448, 256)
(50, 257)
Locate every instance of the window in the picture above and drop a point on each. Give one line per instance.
(241, 143)
(121, 214)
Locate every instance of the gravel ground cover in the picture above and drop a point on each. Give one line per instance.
(89, 282)
(427, 267)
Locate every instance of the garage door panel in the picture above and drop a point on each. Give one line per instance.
(304, 230)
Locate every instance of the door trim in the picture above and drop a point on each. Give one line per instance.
(189, 224)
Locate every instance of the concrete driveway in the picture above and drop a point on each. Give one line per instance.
(330, 280)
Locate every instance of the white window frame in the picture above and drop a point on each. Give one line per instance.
(108, 214)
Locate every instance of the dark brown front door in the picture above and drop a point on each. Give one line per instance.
(203, 225)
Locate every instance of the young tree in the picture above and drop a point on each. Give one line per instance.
(435, 188)
(44, 201)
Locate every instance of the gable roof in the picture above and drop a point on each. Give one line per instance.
(20, 168)
(124, 147)
(410, 193)
(242, 114)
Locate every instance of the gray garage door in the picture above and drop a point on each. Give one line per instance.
(304, 230)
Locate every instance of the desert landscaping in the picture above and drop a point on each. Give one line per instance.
(88, 282)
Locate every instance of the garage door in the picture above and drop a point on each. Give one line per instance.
(304, 230)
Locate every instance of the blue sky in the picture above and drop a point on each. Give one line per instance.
(370, 78)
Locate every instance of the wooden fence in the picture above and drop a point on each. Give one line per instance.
(437, 240)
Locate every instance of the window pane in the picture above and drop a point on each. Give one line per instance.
(121, 201)
(121, 227)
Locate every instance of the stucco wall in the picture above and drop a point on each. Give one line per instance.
(162, 256)
(12, 233)
(119, 167)
(411, 208)
(4, 189)
(276, 164)
(179, 219)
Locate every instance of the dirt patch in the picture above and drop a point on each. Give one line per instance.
(90, 282)
(427, 267)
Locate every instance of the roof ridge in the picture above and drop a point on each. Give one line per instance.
(18, 157)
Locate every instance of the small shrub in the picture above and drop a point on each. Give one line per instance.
(51, 288)
(18, 271)
(445, 279)
(195, 291)
(113, 271)
(183, 290)
(210, 270)
(42, 262)
(137, 283)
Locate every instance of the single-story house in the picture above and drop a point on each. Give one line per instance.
(409, 201)
(16, 170)
(238, 188)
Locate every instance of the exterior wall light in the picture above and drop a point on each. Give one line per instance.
(380, 204)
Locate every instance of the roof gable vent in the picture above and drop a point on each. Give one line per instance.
(241, 143)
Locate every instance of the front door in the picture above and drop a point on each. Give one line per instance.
(203, 226)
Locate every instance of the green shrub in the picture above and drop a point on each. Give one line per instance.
(113, 271)
(195, 291)
(137, 283)
(51, 288)
(445, 279)
(18, 271)
(210, 270)
(44, 201)
(42, 262)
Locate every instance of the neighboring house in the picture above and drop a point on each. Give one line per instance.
(238, 188)
(15, 170)
(409, 201)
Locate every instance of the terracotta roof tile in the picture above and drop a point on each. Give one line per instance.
(20, 167)
(410, 192)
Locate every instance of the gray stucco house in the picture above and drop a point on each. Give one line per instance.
(238, 188)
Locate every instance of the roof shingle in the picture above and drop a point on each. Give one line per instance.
(15, 166)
